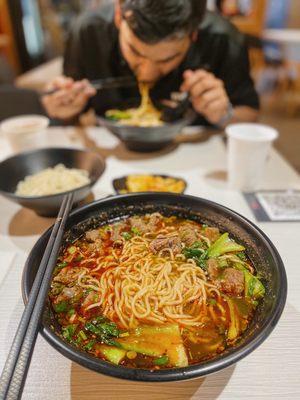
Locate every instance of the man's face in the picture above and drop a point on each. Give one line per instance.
(150, 62)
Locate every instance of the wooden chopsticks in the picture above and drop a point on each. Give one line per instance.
(17, 363)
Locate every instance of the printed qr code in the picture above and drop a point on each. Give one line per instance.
(280, 205)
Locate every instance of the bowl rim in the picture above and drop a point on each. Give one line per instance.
(56, 195)
(174, 374)
(115, 180)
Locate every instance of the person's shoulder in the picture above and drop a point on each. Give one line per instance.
(101, 18)
(215, 25)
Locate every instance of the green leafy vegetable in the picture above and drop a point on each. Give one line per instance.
(90, 345)
(161, 360)
(212, 302)
(234, 328)
(82, 335)
(253, 286)
(196, 253)
(62, 265)
(242, 256)
(222, 263)
(68, 331)
(116, 115)
(72, 250)
(224, 245)
(126, 235)
(59, 267)
(105, 331)
(61, 307)
(135, 231)
(71, 312)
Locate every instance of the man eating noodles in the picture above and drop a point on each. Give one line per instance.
(175, 45)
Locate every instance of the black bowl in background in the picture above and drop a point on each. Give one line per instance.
(16, 168)
(146, 139)
(119, 184)
(259, 248)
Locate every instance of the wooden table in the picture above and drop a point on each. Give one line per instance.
(270, 372)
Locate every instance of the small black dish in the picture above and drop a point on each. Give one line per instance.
(119, 184)
(16, 168)
(146, 139)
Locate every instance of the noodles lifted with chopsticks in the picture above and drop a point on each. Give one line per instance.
(145, 115)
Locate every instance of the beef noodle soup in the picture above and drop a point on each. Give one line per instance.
(145, 115)
(154, 292)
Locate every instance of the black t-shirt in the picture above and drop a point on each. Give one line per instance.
(93, 52)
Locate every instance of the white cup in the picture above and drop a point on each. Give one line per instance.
(248, 147)
(25, 132)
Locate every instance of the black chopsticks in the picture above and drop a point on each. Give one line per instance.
(17, 363)
(106, 83)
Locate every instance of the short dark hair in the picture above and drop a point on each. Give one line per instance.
(155, 20)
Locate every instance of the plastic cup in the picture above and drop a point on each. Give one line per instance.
(25, 132)
(248, 147)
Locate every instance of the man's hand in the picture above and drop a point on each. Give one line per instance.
(207, 94)
(70, 98)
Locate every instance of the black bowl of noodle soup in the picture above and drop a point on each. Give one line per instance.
(146, 138)
(129, 237)
(63, 161)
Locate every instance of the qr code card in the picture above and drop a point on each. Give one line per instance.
(277, 206)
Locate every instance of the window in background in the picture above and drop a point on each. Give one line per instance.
(33, 32)
(277, 18)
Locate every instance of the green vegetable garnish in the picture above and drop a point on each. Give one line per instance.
(126, 235)
(199, 255)
(116, 115)
(71, 312)
(62, 265)
(241, 256)
(253, 286)
(224, 245)
(90, 345)
(68, 332)
(72, 250)
(135, 231)
(161, 360)
(105, 330)
(82, 335)
(212, 302)
(61, 307)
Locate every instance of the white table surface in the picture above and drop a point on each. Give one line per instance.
(270, 372)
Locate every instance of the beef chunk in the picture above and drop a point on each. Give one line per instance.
(67, 275)
(117, 230)
(188, 233)
(166, 242)
(92, 236)
(232, 281)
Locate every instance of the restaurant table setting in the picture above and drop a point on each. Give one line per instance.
(199, 159)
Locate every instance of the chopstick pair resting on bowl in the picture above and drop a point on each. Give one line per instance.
(17, 363)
